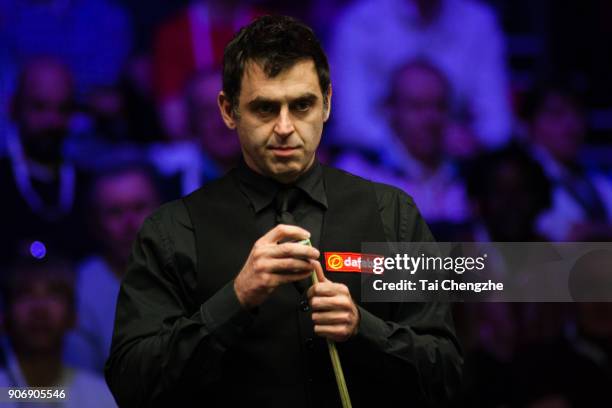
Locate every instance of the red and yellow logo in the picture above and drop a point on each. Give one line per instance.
(349, 262)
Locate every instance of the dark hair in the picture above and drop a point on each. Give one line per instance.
(276, 43)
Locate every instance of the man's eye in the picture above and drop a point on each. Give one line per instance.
(265, 109)
(302, 106)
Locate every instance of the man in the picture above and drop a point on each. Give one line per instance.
(376, 37)
(209, 150)
(39, 310)
(216, 308)
(582, 198)
(206, 127)
(120, 200)
(202, 28)
(498, 178)
(420, 120)
(42, 191)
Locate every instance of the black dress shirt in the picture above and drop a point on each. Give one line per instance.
(158, 298)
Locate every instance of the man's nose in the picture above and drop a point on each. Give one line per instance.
(284, 123)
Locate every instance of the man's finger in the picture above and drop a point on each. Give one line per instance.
(288, 265)
(319, 271)
(293, 250)
(329, 303)
(326, 288)
(284, 232)
(332, 317)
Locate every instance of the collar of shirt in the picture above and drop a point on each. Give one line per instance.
(261, 190)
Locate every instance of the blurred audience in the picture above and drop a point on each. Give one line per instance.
(208, 148)
(93, 37)
(375, 37)
(120, 200)
(39, 309)
(206, 127)
(508, 191)
(420, 102)
(576, 368)
(202, 29)
(488, 372)
(116, 122)
(42, 191)
(582, 199)
(418, 115)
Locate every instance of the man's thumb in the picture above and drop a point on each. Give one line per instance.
(319, 271)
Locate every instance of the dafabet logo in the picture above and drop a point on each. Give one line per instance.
(349, 262)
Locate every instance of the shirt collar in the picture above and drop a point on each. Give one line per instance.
(261, 190)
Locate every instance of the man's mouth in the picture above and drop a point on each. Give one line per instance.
(283, 151)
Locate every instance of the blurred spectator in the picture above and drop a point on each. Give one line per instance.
(92, 36)
(206, 127)
(39, 306)
(120, 200)
(418, 115)
(375, 37)
(192, 40)
(208, 149)
(575, 369)
(139, 99)
(117, 121)
(488, 372)
(509, 191)
(582, 200)
(42, 191)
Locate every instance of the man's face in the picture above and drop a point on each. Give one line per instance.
(559, 127)
(419, 112)
(39, 316)
(123, 202)
(43, 110)
(279, 120)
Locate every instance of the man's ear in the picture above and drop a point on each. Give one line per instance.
(227, 112)
(327, 104)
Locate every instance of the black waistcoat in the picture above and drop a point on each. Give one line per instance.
(280, 362)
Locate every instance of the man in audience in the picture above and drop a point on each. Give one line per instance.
(376, 37)
(218, 143)
(208, 149)
(42, 191)
(418, 111)
(576, 368)
(202, 29)
(120, 200)
(582, 199)
(39, 310)
(508, 190)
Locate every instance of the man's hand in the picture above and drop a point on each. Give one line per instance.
(334, 313)
(271, 264)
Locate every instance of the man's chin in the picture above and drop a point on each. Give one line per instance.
(286, 172)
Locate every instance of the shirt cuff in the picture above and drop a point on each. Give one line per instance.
(372, 329)
(224, 316)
